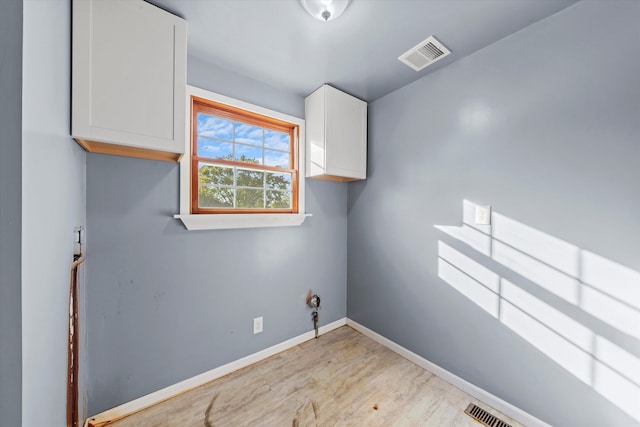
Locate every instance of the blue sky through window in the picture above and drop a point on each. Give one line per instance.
(222, 138)
(248, 152)
(247, 134)
(276, 158)
(215, 127)
(214, 149)
(276, 140)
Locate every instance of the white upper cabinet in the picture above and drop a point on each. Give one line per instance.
(336, 135)
(128, 79)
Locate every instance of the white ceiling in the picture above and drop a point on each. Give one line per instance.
(278, 43)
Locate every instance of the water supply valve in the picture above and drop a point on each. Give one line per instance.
(313, 301)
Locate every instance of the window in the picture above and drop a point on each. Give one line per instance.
(241, 162)
(243, 165)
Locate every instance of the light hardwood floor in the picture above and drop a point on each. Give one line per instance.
(341, 379)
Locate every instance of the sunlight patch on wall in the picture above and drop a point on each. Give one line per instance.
(475, 281)
(563, 286)
(469, 235)
(549, 250)
(562, 339)
(475, 270)
(616, 313)
(617, 280)
(615, 376)
(599, 287)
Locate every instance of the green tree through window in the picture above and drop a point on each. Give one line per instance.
(254, 189)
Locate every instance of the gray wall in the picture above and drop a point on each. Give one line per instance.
(165, 304)
(10, 211)
(53, 203)
(543, 125)
(212, 77)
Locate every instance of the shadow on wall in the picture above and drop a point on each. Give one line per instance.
(598, 287)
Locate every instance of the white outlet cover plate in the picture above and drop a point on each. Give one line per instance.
(257, 325)
(483, 215)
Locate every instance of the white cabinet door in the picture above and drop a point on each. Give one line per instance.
(336, 135)
(129, 78)
(346, 135)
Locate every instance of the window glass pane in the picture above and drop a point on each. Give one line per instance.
(248, 154)
(250, 198)
(214, 149)
(276, 158)
(278, 199)
(215, 197)
(278, 181)
(248, 134)
(242, 161)
(276, 140)
(250, 178)
(215, 127)
(209, 175)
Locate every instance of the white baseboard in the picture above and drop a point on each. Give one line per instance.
(143, 402)
(480, 394)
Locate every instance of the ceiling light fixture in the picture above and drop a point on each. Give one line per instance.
(325, 10)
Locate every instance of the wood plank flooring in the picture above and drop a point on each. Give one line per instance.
(341, 379)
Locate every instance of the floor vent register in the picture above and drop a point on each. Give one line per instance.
(484, 417)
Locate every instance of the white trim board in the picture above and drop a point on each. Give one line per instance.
(475, 391)
(166, 393)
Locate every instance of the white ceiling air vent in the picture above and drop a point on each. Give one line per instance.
(424, 53)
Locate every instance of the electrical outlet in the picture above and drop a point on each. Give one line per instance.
(483, 215)
(257, 325)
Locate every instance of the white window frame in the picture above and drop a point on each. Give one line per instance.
(235, 220)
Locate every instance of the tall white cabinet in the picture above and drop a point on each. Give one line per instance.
(336, 135)
(128, 79)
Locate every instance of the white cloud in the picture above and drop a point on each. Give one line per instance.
(215, 127)
(275, 158)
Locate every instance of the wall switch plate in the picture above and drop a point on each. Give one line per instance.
(483, 215)
(257, 325)
(78, 241)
